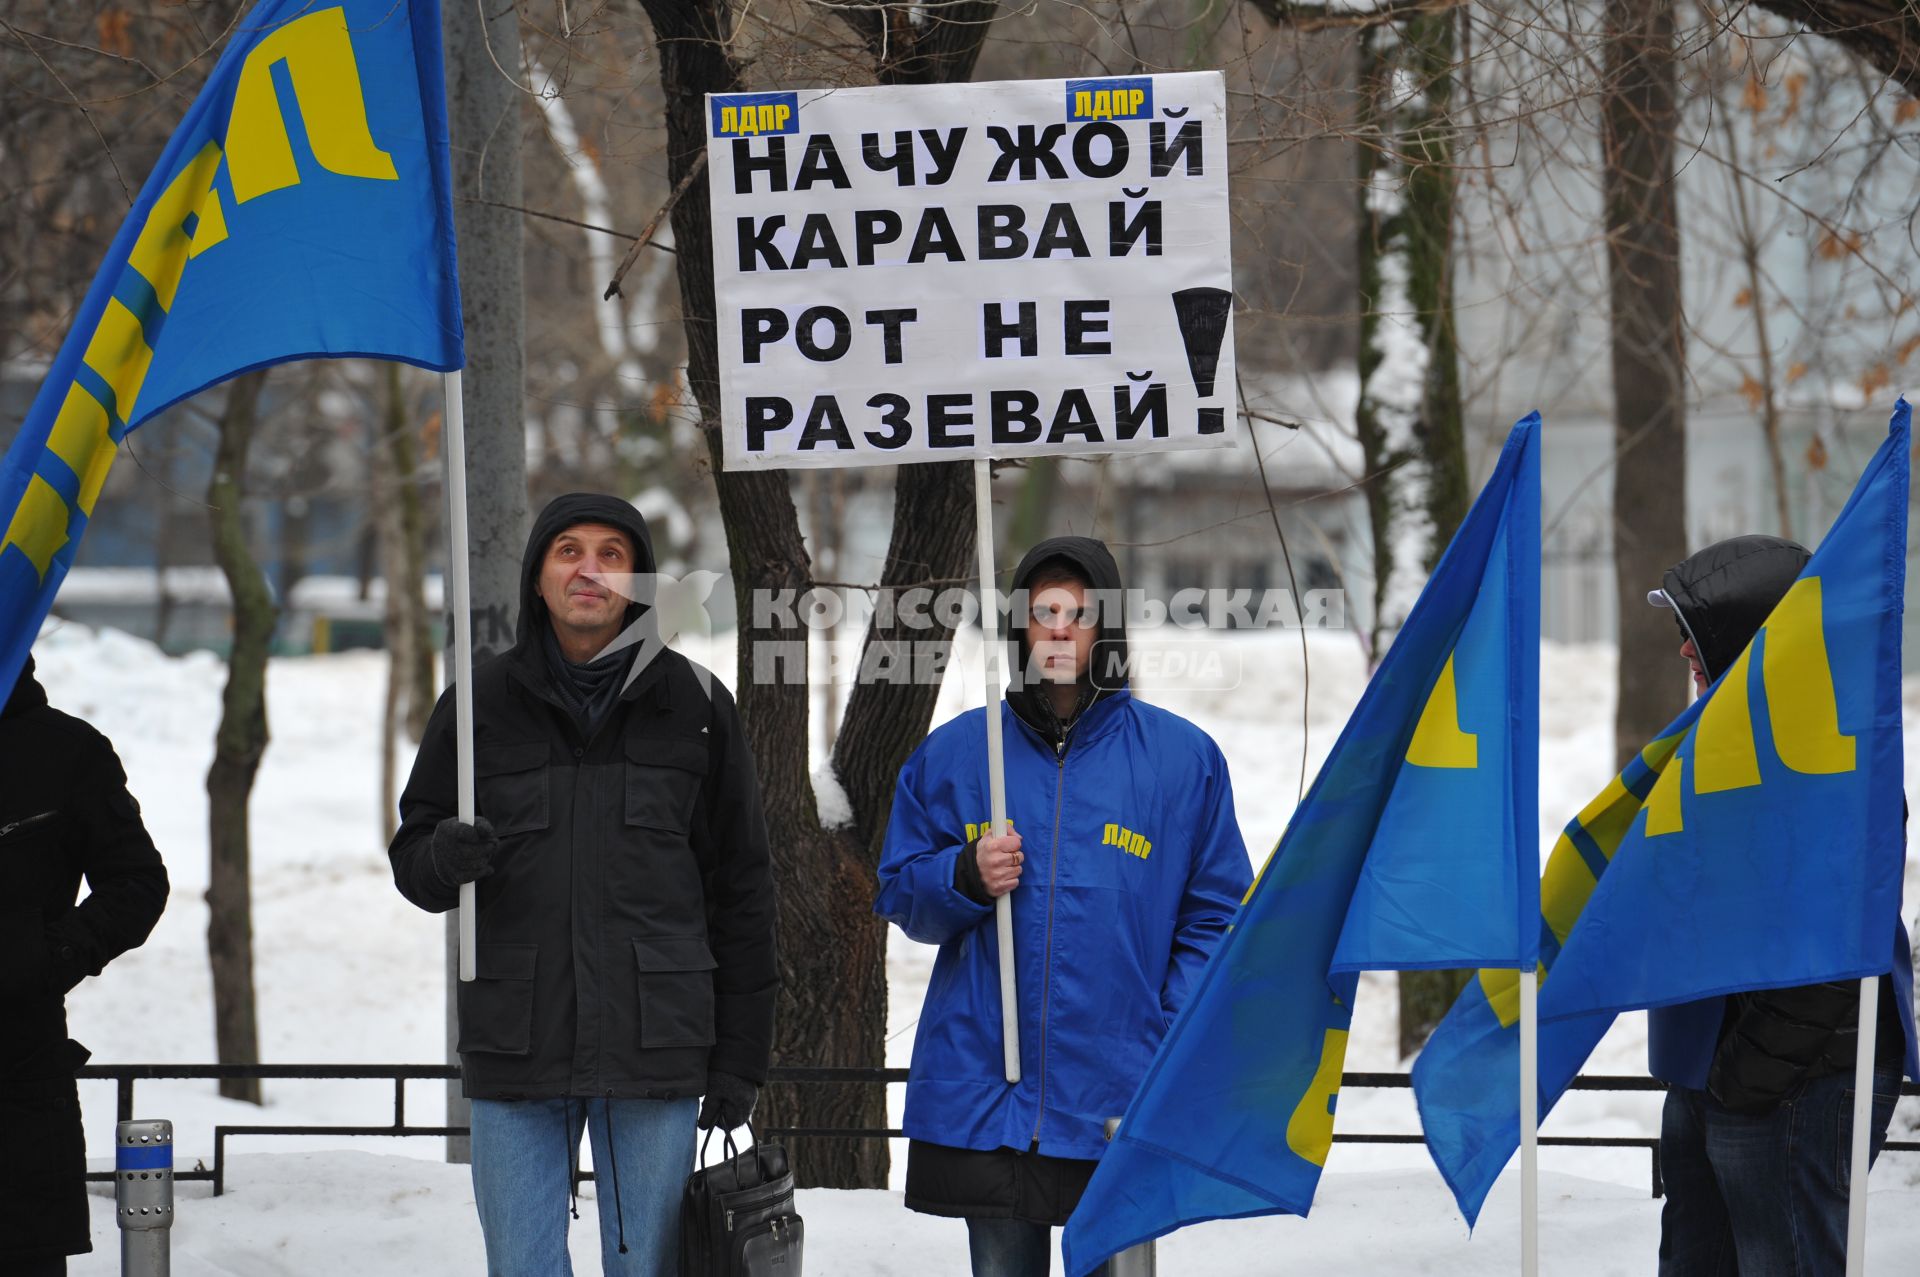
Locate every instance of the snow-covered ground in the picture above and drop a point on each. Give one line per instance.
(348, 972)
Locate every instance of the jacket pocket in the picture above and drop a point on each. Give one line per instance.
(511, 786)
(26, 828)
(676, 990)
(496, 1007)
(663, 782)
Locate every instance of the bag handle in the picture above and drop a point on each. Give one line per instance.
(726, 1144)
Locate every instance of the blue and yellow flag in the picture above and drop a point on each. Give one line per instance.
(1756, 843)
(303, 208)
(1415, 848)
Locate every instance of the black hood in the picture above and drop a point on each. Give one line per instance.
(1725, 593)
(27, 693)
(560, 514)
(1107, 671)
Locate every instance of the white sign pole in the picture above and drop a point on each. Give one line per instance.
(1862, 1121)
(460, 613)
(1530, 1122)
(996, 757)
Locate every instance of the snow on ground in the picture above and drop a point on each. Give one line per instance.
(378, 1215)
(348, 972)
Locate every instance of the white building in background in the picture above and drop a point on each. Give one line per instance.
(1827, 200)
(1730, 491)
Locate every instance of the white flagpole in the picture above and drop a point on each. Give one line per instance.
(1862, 1121)
(460, 616)
(996, 756)
(1529, 1122)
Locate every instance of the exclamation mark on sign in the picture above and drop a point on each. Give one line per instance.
(1202, 315)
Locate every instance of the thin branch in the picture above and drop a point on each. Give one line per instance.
(694, 170)
(82, 106)
(1312, 16)
(556, 217)
(1293, 583)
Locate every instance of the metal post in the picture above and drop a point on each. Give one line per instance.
(143, 1196)
(460, 612)
(1134, 1261)
(1862, 1122)
(1529, 1122)
(996, 761)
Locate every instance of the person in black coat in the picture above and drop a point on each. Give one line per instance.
(65, 814)
(1757, 1129)
(625, 955)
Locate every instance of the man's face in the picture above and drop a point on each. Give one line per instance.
(1060, 631)
(1692, 653)
(573, 579)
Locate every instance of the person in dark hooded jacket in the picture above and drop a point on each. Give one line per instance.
(1126, 866)
(625, 957)
(1756, 1138)
(65, 814)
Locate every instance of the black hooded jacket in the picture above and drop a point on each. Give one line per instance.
(1725, 593)
(1771, 1039)
(65, 814)
(626, 933)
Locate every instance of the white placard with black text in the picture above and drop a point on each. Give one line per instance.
(972, 270)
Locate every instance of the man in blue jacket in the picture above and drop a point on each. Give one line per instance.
(1757, 1136)
(1126, 868)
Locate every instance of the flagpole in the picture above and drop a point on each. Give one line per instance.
(1529, 1122)
(460, 616)
(1862, 1121)
(996, 757)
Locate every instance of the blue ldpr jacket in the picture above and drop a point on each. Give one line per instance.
(1134, 868)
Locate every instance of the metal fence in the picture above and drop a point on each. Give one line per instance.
(124, 1076)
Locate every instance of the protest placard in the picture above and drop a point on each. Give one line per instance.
(972, 270)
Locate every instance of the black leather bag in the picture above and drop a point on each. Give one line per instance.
(737, 1217)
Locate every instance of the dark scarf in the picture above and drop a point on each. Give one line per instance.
(590, 688)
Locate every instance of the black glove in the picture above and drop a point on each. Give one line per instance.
(462, 852)
(729, 1103)
(966, 875)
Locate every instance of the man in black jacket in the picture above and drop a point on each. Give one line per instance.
(625, 959)
(1757, 1133)
(65, 813)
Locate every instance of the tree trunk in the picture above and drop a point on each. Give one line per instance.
(296, 533)
(238, 745)
(483, 116)
(401, 534)
(165, 534)
(1641, 114)
(1033, 507)
(1410, 418)
(827, 515)
(832, 949)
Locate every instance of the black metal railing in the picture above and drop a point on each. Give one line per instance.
(124, 1076)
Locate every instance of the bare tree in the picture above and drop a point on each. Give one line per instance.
(1641, 116)
(1409, 418)
(400, 530)
(239, 743)
(1883, 33)
(832, 948)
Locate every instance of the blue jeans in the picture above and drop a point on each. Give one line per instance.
(523, 1155)
(1012, 1248)
(1763, 1196)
